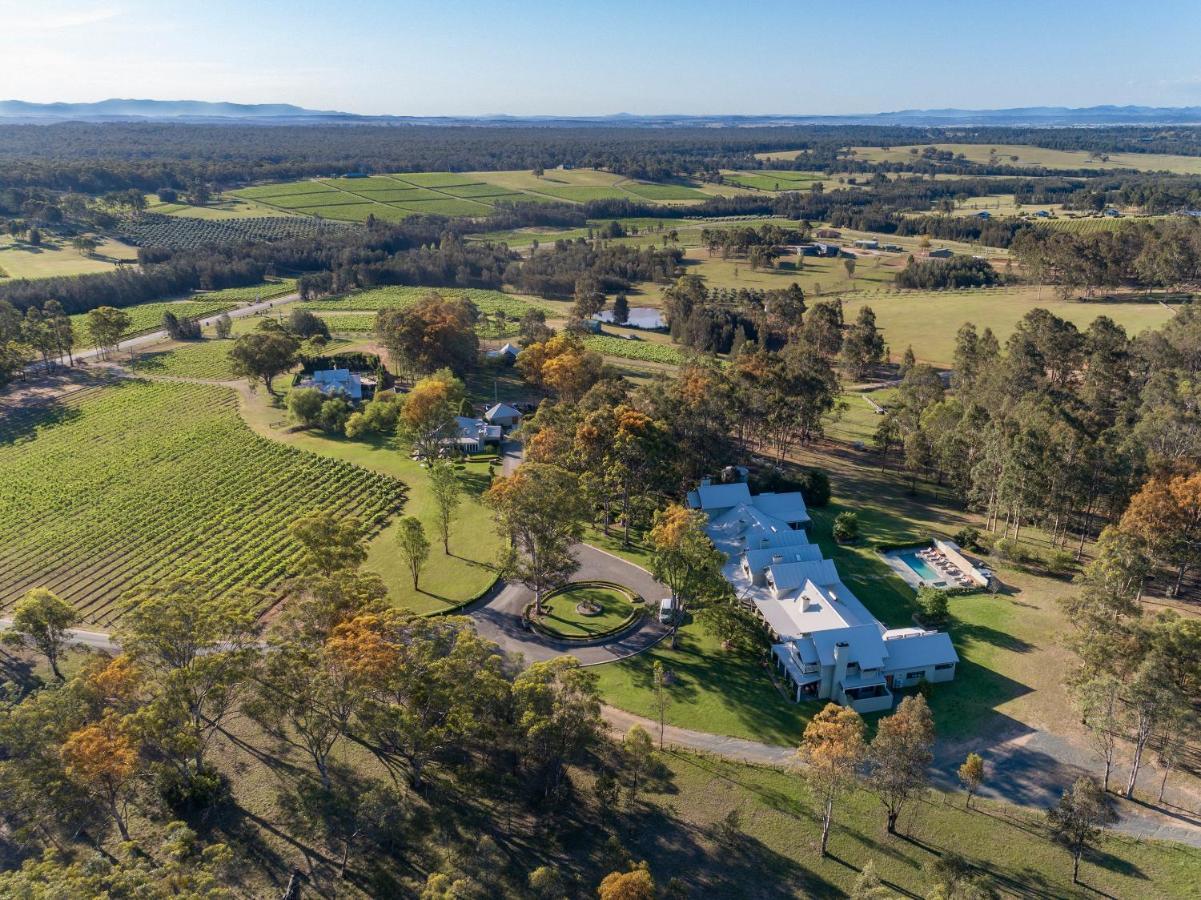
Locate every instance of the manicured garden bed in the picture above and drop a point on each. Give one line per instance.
(586, 610)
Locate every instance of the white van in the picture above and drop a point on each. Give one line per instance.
(665, 611)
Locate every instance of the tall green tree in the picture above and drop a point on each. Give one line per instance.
(537, 508)
(414, 546)
(448, 495)
(41, 621)
(1077, 820)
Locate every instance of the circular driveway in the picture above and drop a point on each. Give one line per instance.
(498, 616)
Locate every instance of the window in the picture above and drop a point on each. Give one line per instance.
(914, 675)
(942, 667)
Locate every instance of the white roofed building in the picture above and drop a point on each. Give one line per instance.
(826, 644)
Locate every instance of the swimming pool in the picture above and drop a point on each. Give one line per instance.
(924, 570)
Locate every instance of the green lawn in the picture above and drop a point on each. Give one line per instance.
(560, 616)
(474, 543)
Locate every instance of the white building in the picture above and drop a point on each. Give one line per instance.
(826, 643)
(504, 415)
(470, 435)
(337, 381)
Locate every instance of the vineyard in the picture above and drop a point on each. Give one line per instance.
(176, 233)
(1091, 224)
(207, 359)
(130, 484)
(488, 302)
(608, 345)
(392, 197)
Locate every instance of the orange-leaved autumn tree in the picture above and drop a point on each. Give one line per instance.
(561, 364)
(428, 416)
(637, 884)
(683, 558)
(1166, 515)
(102, 760)
(833, 749)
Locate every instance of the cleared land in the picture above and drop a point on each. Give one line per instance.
(928, 320)
(20, 259)
(1039, 156)
(140, 481)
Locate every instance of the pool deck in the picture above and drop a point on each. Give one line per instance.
(903, 571)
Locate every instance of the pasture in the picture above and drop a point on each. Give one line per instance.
(122, 485)
(1022, 155)
(928, 320)
(55, 256)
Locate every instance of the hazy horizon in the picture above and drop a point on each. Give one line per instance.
(588, 59)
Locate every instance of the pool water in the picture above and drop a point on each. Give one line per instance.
(924, 570)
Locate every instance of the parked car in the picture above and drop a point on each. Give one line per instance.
(666, 611)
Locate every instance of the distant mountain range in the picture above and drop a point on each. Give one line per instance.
(197, 111)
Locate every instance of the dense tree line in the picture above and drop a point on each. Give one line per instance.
(554, 272)
(1163, 253)
(957, 272)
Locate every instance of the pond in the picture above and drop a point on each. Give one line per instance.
(646, 317)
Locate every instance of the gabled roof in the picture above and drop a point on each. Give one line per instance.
(789, 507)
(719, 496)
(916, 651)
(793, 575)
(761, 559)
(866, 647)
(502, 409)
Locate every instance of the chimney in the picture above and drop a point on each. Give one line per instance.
(706, 482)
(842, 650)
(805, 602)
(777, 558)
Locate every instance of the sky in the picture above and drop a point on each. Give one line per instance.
(580, 57)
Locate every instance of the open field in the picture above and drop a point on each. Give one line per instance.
(54, 256)
(774, 179)
(643, 350)
(223, 207)
(928, 320)
(136, 482)
(1038, 156)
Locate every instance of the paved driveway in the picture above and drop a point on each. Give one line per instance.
(498, 616)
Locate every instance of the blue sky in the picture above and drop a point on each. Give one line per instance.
(586, 58)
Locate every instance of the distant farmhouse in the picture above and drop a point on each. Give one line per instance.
(826, 644)
(940, 253)
(507, 353)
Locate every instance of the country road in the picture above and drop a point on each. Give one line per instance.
(153, 337)
(1009, 758)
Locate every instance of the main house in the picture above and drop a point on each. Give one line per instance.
(825, 643)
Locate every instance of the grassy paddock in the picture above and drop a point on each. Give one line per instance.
(928, 320)
(1042, 157)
